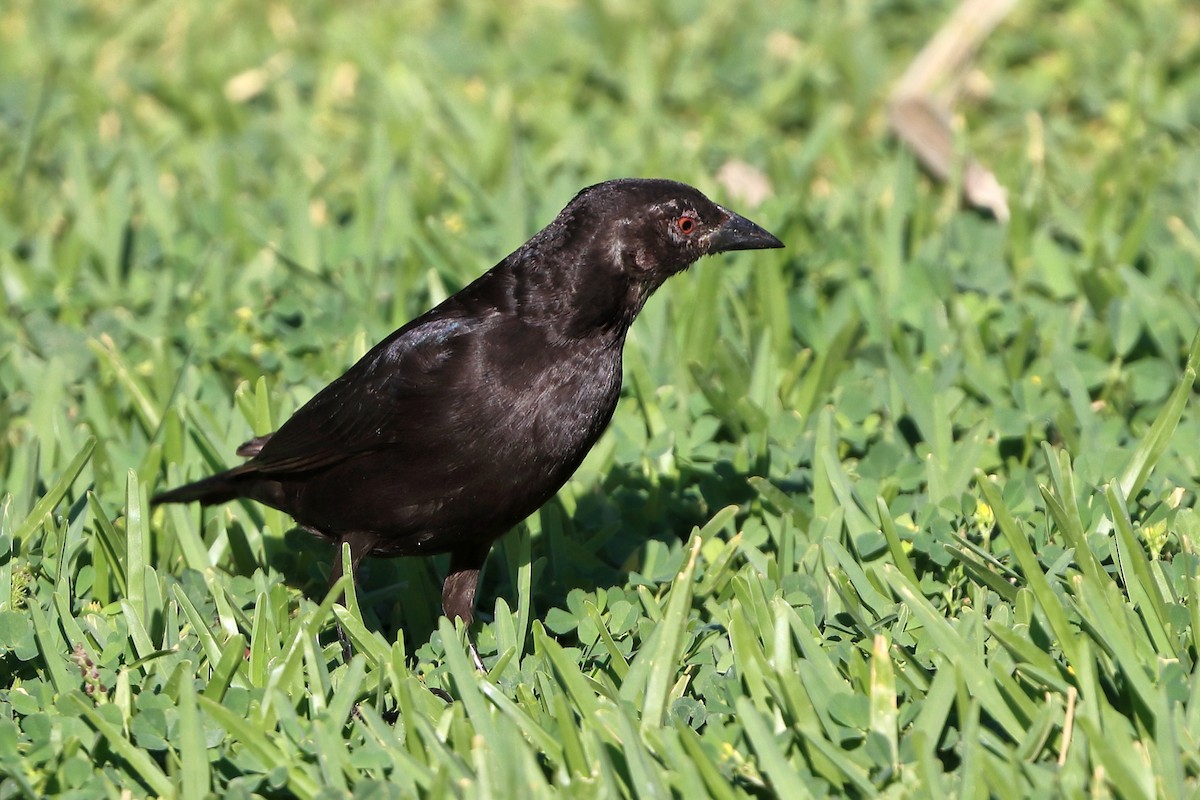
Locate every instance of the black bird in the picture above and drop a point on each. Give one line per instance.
(466, 420)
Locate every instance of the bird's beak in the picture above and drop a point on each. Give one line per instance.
(739, 233)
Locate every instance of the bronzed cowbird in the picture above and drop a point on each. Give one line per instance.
(466, 420)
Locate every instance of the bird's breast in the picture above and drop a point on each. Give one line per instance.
(548, 411)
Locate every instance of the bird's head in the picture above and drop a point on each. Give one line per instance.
(618, 241)
(655, 228)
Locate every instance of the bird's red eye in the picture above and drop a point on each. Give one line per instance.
(686, 225)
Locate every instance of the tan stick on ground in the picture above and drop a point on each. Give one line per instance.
(919, 109)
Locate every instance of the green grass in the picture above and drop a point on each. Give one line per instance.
(906, 508)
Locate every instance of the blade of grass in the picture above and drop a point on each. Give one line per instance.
(1135, 574)
(543, 740)
(785, 780)
(139, 759)
(970, 667)
(135, 547)
(196, 778)
(1151, 448)
(895, 546)
(8, 553)
(615, 658)
(55, 494)
(466, 679)
(1063, 507)
(52, 647)
(257, 741)
(110, 543)
(1030, 569)
(568, 672)
(664, 657)
(884, 718)
(233, 656)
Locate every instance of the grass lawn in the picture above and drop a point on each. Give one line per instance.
(905, 509)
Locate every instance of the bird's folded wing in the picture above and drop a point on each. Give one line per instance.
(397, 396)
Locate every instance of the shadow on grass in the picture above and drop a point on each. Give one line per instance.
(598, 546)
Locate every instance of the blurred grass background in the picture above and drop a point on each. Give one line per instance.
(904, 509)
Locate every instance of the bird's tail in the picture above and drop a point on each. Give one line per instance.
(211, 491)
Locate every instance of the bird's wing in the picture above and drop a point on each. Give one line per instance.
(395, 395)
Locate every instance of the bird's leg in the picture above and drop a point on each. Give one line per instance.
(458, 592)
(360, 545)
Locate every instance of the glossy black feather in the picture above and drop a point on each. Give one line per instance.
(467, 419)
